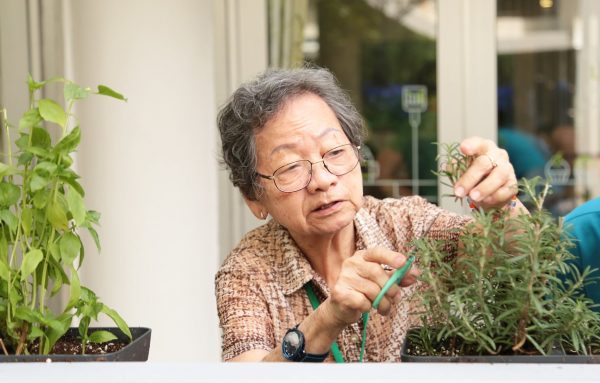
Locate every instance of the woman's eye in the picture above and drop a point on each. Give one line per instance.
(291, 168)
(336, 152)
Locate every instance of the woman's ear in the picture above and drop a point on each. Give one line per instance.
(257, 208)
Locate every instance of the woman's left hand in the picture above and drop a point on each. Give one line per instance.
(490, 181)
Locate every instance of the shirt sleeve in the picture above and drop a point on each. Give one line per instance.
(243, 314)
(446, 226)
(414, 217)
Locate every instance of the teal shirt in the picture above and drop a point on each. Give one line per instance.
(584, 224)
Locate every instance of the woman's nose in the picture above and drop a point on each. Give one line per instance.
(321, 178)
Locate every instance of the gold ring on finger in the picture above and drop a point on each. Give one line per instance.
(492, 161)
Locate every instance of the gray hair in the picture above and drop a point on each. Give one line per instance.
(254, 103)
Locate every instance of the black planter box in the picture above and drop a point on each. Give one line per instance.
(558, 357)
(136, 351)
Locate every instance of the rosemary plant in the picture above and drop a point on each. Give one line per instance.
(42, 215)
(512, 289)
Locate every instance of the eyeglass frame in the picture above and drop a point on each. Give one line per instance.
(272, 177)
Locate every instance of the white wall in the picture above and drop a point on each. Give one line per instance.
(149, 165)
(13, 58)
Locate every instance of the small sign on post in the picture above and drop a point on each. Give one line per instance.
(414, 102)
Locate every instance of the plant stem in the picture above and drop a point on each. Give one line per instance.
(22, 338)
(44, 275)
(5, 125)
(4, 350)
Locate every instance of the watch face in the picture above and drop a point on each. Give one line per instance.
(291, 343)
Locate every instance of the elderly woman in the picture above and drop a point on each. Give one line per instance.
(291, 140)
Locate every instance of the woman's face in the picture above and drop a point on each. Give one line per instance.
(305, 129)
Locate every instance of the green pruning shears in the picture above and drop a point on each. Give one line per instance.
(395, 279)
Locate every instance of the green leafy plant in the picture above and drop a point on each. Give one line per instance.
(42, 215)
(512, 289)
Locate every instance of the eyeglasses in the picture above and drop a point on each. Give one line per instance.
(297, 175)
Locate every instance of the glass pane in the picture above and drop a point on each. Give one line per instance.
(537, 77)
(384, 54)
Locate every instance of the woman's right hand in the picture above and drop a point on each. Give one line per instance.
(361, 279)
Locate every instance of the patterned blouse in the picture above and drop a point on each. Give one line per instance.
(260, 292)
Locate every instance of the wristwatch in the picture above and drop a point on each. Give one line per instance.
(292, 347)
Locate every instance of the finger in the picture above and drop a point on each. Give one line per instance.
(476, 145)
(375, 273)
(385, 305)
(343, 295)
(502, 195)
(384, 256)
(411, 277)
(495, 161)
(365, 286)
(490, 184)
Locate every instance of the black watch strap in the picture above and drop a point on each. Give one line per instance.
(315, 358)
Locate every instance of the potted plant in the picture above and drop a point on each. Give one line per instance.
(42, 218)
(512, 294)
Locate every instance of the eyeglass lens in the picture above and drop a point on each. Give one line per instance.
(296, 175)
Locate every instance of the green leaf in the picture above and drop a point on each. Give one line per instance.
(75, 185)
(26, 220)
(56, 276)
(101, 336)
(54, 250)
(73, 91)
(51, 111)
(35, 333)
(3, 169)
(29, 315)
(45, 168)
(84, 324)
(10, 219)
(40, 138)
(33, 85)
(66, 160)
(76, 206)
(3, 249)
(6, 170)
(40, 199)
(30, 119)
(93, 216)
(14, 297)
(57, 215)
(37, 182)
(30, 261)
(75, 290)
(95, 237)
(69, 247)
(9, 194)
(4, 271)
(69, 142)
(117, 319)
(58, 327)
(42, 153)
(25, 158)
(22, 142)
(106, 91)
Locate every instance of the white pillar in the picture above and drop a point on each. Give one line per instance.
(149, 165)
(466, 57)
(241, 54)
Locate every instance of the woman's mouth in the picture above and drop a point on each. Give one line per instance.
(327, 207)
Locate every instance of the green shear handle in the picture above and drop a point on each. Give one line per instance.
(396, 278)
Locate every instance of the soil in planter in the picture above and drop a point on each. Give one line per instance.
(72, 346)
(445, 349)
